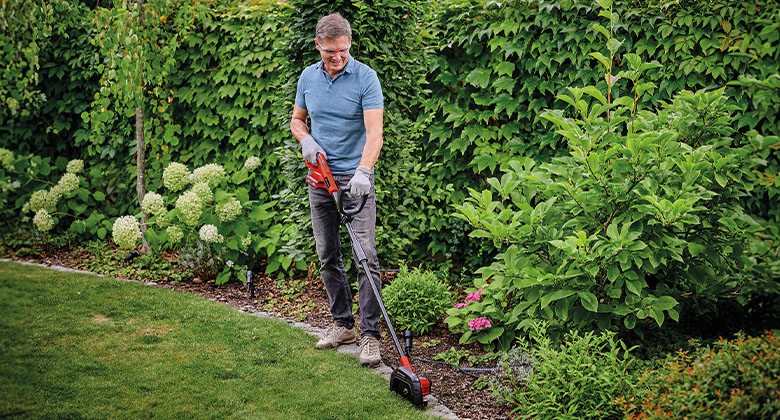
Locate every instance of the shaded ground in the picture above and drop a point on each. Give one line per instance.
(305, 300)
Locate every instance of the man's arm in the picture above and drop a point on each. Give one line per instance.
(372, 118)
(298, 125)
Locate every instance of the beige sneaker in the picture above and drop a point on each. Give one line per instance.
(369, 351)
(336, 336)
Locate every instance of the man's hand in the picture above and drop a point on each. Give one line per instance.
(359, 185)
(310, 148)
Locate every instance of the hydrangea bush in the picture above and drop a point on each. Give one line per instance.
(53, 195)
(209, 207)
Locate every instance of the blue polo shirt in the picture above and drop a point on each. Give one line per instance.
(335, 107)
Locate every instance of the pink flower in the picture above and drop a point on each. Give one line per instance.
(474, 296)
(478, 324)
(460, 305)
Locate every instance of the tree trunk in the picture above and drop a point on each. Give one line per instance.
(140, 186)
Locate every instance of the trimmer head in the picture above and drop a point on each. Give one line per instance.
(408, 385)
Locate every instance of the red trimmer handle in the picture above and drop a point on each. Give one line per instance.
(320, 176)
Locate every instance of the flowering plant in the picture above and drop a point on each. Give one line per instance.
(211, 207)
(481, 317)
(53, 194)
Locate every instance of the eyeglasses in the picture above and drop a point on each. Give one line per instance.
(341, 52)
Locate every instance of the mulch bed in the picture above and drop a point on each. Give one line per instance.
(310, 305)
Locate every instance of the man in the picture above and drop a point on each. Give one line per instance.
(344, 100)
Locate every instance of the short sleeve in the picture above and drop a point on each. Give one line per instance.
(300, 98)
(372, 92)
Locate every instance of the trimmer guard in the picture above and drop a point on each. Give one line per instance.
(405, 383)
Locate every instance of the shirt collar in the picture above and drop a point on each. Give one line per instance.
(349, 68)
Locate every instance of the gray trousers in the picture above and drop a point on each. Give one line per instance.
(326, 223)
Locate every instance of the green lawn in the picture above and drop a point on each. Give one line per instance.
(80, 346)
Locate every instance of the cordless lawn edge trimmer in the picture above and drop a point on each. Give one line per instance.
(403, 380)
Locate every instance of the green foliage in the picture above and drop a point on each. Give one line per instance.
(452, 356)
(577, 380)
(22, 26)
(493, 308)
(500, 64)
(224, 93)
(643, 213)
(72, 201)
(239, 236)
(416, 300)
(100, 257)
(465, 83)
(735, 378)
(50, 78)
(646, 209)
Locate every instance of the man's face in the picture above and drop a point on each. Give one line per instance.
(334, 52)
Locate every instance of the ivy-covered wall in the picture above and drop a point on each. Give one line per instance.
(464, 84)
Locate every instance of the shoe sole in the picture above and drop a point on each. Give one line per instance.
(354, 340)
(366, 364)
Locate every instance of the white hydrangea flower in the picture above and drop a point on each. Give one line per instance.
(75, 166)
(204, 191)
(43, 220)
(210, 233)
(153, 203)
(26, 207)
(228, 211)
(252, 162)
(66, 184)
(6, 159)
(211, 173)
(245, 243)
(176, 176)
(43, 198)
(230, 263)
(175, 234)
(162, 219)
(190, 206)
(126, 231)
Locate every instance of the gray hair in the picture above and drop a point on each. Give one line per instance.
(333, 26)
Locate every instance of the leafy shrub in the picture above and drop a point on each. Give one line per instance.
(212, 206)
(736, 378)
(646, 209)
(577, 380)
(481, 318)
(500, 64)
(202, 260)
(416, 300)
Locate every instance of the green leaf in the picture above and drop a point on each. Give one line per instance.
(604, 4)
(695, 249)
(634, 286)
(479, 78)
(630, 321)
(665, 303)
(594, 92)
(589, 301)
(99, 196)
(491, 334)
(613, 272)
(551, 297)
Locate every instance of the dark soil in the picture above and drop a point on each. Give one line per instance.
(307, 302)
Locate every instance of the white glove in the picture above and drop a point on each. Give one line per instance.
(360, 184)
(310, 148)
